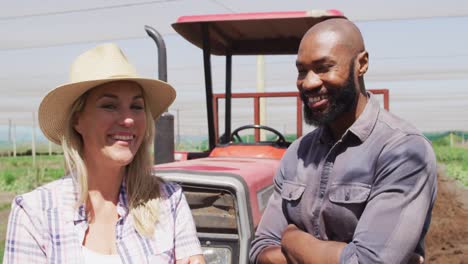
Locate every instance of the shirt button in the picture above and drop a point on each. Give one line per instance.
(321, 194)
(346, 197)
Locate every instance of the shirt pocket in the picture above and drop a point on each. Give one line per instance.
(341, 214)
(162, 257)
(162, 243)
(292, 191)
(162, 253)
(349, 193)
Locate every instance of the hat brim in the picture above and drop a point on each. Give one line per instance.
(55, 107)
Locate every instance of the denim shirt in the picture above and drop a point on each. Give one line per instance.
(373, 189)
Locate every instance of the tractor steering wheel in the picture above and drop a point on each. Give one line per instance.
(235, 133)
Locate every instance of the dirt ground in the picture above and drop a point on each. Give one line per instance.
(5, 202)
(447, 240)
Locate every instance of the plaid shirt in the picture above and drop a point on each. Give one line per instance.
(45, 226)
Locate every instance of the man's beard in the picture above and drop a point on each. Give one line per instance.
(341, 100)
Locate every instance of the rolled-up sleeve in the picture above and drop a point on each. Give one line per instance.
(398, 211)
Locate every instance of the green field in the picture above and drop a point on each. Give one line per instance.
(453, 155)
(455, 160)
(18, 175)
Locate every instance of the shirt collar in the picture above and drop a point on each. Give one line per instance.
(365, 123)
(361, 128)
(122, 205)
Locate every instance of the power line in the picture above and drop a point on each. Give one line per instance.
(217, 2)
(224, 5)
(278, 62)
(422, 57)
(81, 42)
(83, 10)
(365, 20)
(282, 81)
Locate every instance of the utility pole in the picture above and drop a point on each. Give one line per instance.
(261, 89)
(33, 139)
(14, 140)
(9, 129)
(9, 134)
(451, 139)
(178, 127)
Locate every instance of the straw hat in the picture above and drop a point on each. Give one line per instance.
(102, 64)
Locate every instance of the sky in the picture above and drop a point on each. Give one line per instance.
(418, 50)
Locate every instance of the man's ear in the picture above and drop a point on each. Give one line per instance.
(363, 63)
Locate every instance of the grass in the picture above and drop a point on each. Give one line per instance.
(18, 175)
(4, 209)
(188, 145)
(455, 160)
(453, 156)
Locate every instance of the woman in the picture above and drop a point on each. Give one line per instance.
(109, 209)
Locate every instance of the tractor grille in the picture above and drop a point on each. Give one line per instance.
(214, 211)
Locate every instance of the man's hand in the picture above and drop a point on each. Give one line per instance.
(301, 247)
(416, 259)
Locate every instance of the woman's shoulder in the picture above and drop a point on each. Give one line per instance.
(50, 195)
(169, 190)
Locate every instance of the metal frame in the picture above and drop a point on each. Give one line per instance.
(206, 32)
(256, 97)
(208, 84)
(239, 34)
(385, 94)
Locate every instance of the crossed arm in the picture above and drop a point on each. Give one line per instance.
(298, 246)
(400, 201)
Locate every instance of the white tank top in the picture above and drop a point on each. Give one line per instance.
(92, 257)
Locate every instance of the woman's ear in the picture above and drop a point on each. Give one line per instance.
(76, 122)
(363, 63)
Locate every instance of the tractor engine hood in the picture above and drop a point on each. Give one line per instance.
(254, 175)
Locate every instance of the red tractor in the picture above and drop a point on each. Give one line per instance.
(229, 185)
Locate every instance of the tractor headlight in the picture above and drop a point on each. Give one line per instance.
(217, 255)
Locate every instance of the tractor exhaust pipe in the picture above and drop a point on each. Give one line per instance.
(164, 138)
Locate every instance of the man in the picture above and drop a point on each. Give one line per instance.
(359, 188)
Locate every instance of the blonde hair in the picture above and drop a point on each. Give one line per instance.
(142, 187)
